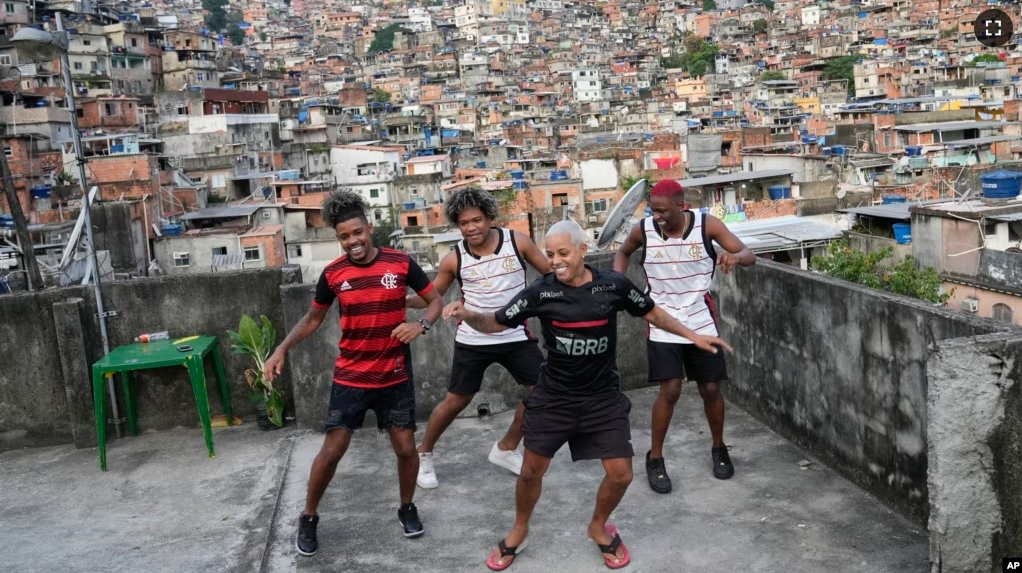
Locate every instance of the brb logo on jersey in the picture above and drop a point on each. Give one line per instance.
(389, 280)
(581, 346)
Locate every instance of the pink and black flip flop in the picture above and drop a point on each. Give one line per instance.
(505, 551)
(610, 551)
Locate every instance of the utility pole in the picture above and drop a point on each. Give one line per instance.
(35, 280)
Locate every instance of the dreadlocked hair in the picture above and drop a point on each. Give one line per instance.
(343, 205)
(467, 198)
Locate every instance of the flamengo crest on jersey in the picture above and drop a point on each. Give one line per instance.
(487, 284)
(679, 272)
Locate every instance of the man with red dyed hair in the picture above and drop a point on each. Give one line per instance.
(680, 258)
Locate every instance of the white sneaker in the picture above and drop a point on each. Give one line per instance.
(427, 475)
(511, 461)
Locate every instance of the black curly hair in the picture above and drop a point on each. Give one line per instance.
(343, 205)
(471, 197)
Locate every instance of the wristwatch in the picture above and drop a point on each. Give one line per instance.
(425, 325)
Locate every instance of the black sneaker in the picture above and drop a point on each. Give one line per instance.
(656, 473)
(408, 515)
(306, 542)
(722, 468)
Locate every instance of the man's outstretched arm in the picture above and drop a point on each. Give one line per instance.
(660, 319)
(482, 322)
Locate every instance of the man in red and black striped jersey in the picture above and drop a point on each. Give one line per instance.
(373, 368)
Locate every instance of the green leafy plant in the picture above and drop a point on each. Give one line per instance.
(875, 270)
(699, 55)
(237, 36)
(384, 39)
(65, 178)
(257, 341)
(841, 68)
(985, 59)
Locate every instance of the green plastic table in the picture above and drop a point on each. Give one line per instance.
(159, 354)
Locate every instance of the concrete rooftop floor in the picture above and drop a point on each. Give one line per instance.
(164, 507)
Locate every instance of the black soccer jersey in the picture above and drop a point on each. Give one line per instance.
(579, 328)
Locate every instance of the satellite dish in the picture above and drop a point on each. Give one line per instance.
(621, 213)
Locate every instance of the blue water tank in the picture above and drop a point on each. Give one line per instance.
(520, 184)
(41, 192)
(480, 165)
(838, 150)
(913, 150)
(171, 230)
(517, 175)
(779, 192)
(409, 204)
(902, 233)
(1001, 184)
(891, 199)
(558, 175)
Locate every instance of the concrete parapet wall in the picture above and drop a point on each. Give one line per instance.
(37, 378)
(840, 370)
(975, 453)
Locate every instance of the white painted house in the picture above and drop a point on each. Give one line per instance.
(367, 169)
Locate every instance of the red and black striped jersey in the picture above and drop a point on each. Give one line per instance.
(371, 298)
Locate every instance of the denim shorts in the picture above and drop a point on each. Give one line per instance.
(394, 406)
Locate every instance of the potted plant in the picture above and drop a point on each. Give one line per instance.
(257, 341)
(65, 187)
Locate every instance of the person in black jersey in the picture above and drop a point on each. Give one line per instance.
(578, 399)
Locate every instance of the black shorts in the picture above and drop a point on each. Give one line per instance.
(594, 428)
(669, 360)
(394, 406)
(521, 359)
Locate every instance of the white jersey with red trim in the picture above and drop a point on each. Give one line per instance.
(679, 272)
(487, 284)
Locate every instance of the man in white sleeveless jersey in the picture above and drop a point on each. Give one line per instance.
(489, 265)
(680, 259)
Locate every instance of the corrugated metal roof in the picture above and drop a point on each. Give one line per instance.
(228, 260)
(872, 162)
(229, 212)
(782, 233)
(893, 211)
(898, 211)
(953, 126)
(981, 141)
(1009, 218)
(734, 177)
(265, 230)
